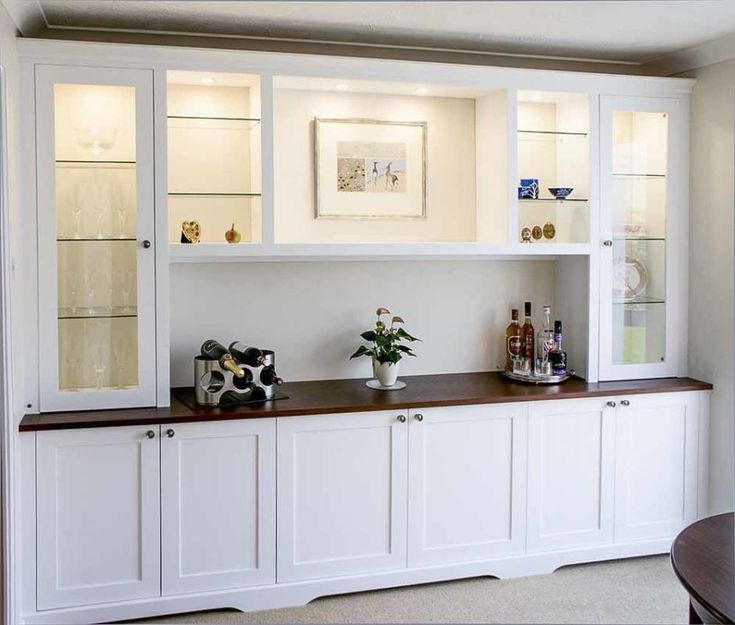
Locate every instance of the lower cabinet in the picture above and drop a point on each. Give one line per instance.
(341, 494)
(656, 454)
(98, 516)
(466, 483)
(218, 505)
(571, 470)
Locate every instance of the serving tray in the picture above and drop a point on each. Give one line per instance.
(538, 378)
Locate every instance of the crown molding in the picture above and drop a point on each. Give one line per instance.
(708, 53)
(27, 15)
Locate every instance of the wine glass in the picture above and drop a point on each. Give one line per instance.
(76, 209)
(127, 287)
(118, 200)
(97, 139)
(90, 284)
(99, 363)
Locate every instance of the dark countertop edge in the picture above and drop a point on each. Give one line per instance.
(179, 412)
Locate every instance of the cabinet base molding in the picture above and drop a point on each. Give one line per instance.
(294, 594)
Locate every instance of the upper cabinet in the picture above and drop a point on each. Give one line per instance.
(95, 237)
(643, 269)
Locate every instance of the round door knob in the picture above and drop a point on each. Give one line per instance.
(625, 402)
(402, 418)
(146, 244)
(607, 243)
(418, 417)
(150, 434)
(611, 404)
(170, 433)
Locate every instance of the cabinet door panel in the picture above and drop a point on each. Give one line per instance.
(341, 494)
(570, 475)
(656, 466)
(218, 505)
(98, 516)
(466, 483)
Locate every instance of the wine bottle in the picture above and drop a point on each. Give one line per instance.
(245, 355)
(513, 343)
(216, 351)
(268, 376)
(528, 340)
(557, 356)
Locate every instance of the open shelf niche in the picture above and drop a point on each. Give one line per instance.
(465, 163)
(214, 163)
(553, 147)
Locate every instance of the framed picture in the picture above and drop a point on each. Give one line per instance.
(369, 169)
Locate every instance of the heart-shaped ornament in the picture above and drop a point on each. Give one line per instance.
(190, 231)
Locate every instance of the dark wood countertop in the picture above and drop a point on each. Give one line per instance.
(335, 396)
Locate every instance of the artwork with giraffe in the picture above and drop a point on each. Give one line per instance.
(371, 167)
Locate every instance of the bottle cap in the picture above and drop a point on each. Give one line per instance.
(514, 314)
(527, 307)
(557, 327)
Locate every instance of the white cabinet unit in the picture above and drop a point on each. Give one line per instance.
(643, 260)
(341, 494)
(94, 150)
(656, 465)
(466, 484)
(570, 473)
(98, 534)
(218, 505)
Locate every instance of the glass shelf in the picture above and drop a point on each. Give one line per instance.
(639, 301)
(552, 132)
(92, 162)
(553, 199)
(639, 175)
(88, 239)
(639, 239)
(98, 312)
(178, 194)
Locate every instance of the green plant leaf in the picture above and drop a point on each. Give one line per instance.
(369, 335)
(405, 335)
(361, 351)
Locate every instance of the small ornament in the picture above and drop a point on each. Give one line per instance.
(526, 235)
(537, 233)
(191, 232)
(528, 189)
(232, 235)
(549, 230)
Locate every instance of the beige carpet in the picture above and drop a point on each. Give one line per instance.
(639, 590)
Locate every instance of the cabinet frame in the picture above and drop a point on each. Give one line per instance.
(144, 394)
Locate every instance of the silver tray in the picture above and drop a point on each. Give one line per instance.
(533, 378)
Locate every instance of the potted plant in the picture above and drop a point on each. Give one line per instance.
(387, 347)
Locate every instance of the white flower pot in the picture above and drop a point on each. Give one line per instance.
(386, 372)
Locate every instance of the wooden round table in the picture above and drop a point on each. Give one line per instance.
(704, 561)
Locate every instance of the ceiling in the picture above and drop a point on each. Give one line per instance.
(622, 31)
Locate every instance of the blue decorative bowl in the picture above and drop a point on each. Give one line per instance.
(528, 190)
(560, 192)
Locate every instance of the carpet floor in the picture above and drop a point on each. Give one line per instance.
(637, 590)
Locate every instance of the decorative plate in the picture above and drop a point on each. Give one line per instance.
(526, 235)
(376, 385)
(630, 278)
(191, 232)
(537, 232)
(549, 230)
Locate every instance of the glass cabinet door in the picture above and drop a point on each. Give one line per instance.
(639, 197)
(95, 223)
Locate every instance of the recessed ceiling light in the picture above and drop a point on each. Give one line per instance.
(343, 86)
(536, 97)
(421, 91)
(206, 80)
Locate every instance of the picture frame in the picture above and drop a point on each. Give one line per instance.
(369, 169)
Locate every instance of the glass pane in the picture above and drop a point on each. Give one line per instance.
(639, 231)
(96, 231)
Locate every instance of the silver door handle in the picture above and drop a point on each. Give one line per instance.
(402, 418)
(170, 433)
(625, 402)
(611, 404)
(150, 434)
(146, 244)
(607, 243)
(418, 417)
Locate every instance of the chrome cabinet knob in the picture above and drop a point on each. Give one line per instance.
(150, 434)
(402, 418)
(611, 404)
(418, 417)
(625, 402)
(146, 244)
(170, 433)
(607, 243)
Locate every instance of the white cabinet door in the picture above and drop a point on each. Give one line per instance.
(467, 476)
(341, 494)
(218, 505)
(96, 271)
(656, 465)
(643, 229)
(570, 473)
(98, 513)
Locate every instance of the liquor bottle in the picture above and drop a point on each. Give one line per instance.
(268, 376)
(557, 356)
(528, 340)
(216, 351)
(545, 344)
(245, 355)
(513, 343)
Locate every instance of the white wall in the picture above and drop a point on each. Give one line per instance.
(311, 313)
(712, 312)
